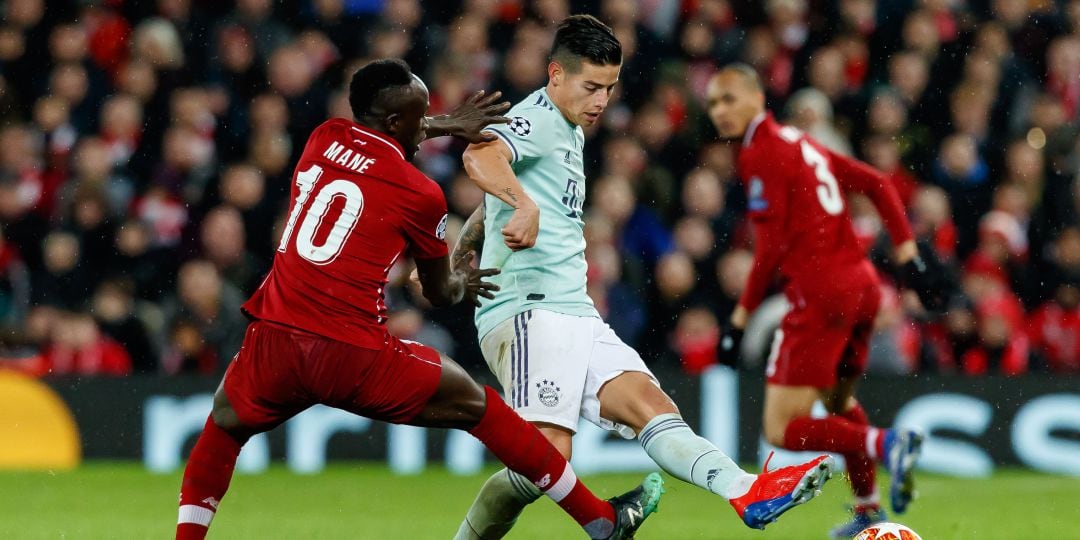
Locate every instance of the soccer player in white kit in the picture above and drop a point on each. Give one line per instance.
(541, 335)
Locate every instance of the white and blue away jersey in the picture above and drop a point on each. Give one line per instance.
(548, 161)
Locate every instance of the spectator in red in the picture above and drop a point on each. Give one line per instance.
(1002, 248)
(1002, 347)
(187, 350)
(1063, 72)
(790, 29)
(14, 285)
(107, 38)
(1054, 329)
(77, 347)
(695, 339)
(52, 122)
(121, 127)
(931, 220)
(949, 339)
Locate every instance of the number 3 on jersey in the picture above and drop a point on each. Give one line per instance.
(828, 192)
(326, 252)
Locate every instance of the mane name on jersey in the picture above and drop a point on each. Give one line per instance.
(346, 157)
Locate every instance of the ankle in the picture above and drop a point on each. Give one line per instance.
(868, 508)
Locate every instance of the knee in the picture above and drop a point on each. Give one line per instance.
(465, 406)
(226, 419)
(634, 403)
(459, 401)
(471, 406)
(224, 416)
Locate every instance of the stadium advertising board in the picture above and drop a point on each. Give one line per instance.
(976, 424)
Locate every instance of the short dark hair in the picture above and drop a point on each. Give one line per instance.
(372, 81)
(748, 73)
(584, 37)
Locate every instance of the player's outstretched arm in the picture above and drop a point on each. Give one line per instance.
(445, 285)
(470, 242)
(470, 118)
(488, 164)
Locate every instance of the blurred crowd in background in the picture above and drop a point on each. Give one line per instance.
(146, 154)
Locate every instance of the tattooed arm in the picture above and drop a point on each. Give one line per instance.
(488, 164)
(470, 244)
(471, 237)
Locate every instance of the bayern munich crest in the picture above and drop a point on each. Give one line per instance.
(520, 126)
(548, 392)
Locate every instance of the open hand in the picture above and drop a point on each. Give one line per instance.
(475, 286)
(479, 111)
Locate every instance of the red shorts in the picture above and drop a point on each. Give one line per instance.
(826, 335)
(281, 370)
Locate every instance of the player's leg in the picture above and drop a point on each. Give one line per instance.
(789, 398)
(528, 347)
(897, 448)
(505, 494)
(459, 402)
(862, 470)
(209, 468)
(803, 367)
(634, 399)
(235, 417)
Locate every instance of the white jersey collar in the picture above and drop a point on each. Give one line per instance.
(752, 128)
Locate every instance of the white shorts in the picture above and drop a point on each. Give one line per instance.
(551, 366)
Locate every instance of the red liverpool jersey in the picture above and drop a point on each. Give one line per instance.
(795, 200)
(356, 206)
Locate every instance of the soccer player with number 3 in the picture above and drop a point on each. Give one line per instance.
(795, 202)
(319, 333)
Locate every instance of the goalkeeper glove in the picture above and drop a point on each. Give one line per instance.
(930, 279)
(727, 352)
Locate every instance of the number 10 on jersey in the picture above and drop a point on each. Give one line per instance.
(326, 252)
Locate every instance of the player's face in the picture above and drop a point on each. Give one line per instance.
(584, 95)
(409, 124)
(733, 103)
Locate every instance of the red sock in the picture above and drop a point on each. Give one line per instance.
(830, 434)
(206, 479)
(525, 451)
(862, 472)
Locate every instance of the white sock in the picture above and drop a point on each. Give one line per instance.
(198, 515)
(872, 499)
(497, 506)
(691, 458)
(872, 435)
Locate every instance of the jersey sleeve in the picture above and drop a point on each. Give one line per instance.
(425, 224)
(766, 207)
(854, 175)
(529, 135)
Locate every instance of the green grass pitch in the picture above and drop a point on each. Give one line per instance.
(357, 500)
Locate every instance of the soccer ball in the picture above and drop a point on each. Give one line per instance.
(887, 531)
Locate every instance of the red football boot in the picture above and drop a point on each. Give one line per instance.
(776, 492)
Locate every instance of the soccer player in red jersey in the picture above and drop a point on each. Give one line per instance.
(318, 333)
(795, 202)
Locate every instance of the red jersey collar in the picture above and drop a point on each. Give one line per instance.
(381, 137)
